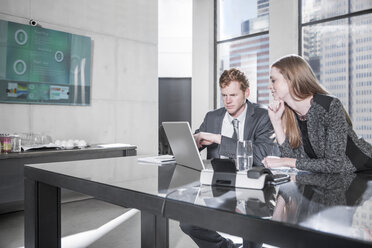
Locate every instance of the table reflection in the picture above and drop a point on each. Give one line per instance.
(333, 203)
(243, 201)
(172, 176)
(254, 202)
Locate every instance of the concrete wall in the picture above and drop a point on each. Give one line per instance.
(283, 29)
(175, 38)
(202, 60)
(124, 86)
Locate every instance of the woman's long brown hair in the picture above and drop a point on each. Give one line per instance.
(302, 83)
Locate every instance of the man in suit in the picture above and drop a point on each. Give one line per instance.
(239, 119)
(216, 131)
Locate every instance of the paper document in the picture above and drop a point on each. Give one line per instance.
(41, 147)
(114, 145)
(163, 159)
(283, 169)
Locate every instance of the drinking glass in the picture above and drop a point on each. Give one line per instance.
(275, 151)
(37, 139)
(46, 139)
(244, 155)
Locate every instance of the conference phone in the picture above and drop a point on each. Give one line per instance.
(224, 173)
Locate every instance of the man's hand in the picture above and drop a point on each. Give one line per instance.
(206, 139)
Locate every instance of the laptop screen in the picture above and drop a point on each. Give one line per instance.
(183, 145)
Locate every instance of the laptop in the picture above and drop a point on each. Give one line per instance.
(183, 145)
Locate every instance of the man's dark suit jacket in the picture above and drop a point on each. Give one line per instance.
(257, 128)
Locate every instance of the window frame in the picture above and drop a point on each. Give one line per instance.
(347, 17)
(330, 19)
(216, 43)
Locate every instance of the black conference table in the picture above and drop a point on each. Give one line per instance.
(313, 210)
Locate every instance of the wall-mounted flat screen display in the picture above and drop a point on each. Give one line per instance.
(43, 66)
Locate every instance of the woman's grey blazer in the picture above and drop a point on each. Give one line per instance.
(257, 128)
(336, 145)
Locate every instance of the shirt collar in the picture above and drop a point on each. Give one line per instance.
(241, 117)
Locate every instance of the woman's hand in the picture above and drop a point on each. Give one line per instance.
(274, 162)
(276, 110)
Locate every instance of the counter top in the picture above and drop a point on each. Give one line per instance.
(49, 152)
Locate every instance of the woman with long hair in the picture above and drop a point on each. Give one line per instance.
(312, 128)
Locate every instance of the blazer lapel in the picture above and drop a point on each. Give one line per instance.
(219, 121)
(248, 121)
(313, 123)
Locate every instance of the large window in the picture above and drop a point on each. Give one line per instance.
(336, 40)
(242, 41)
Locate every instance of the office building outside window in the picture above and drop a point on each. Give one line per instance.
(336, 40)
(242, 41)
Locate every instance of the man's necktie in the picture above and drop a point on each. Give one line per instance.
(235, 123)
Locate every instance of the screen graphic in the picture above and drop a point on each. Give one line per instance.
(43, 66)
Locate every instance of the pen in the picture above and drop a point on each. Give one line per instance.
(168, 160)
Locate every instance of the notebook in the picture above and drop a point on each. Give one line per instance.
(183, 145)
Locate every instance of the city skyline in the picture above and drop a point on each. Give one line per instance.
(340, 54)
